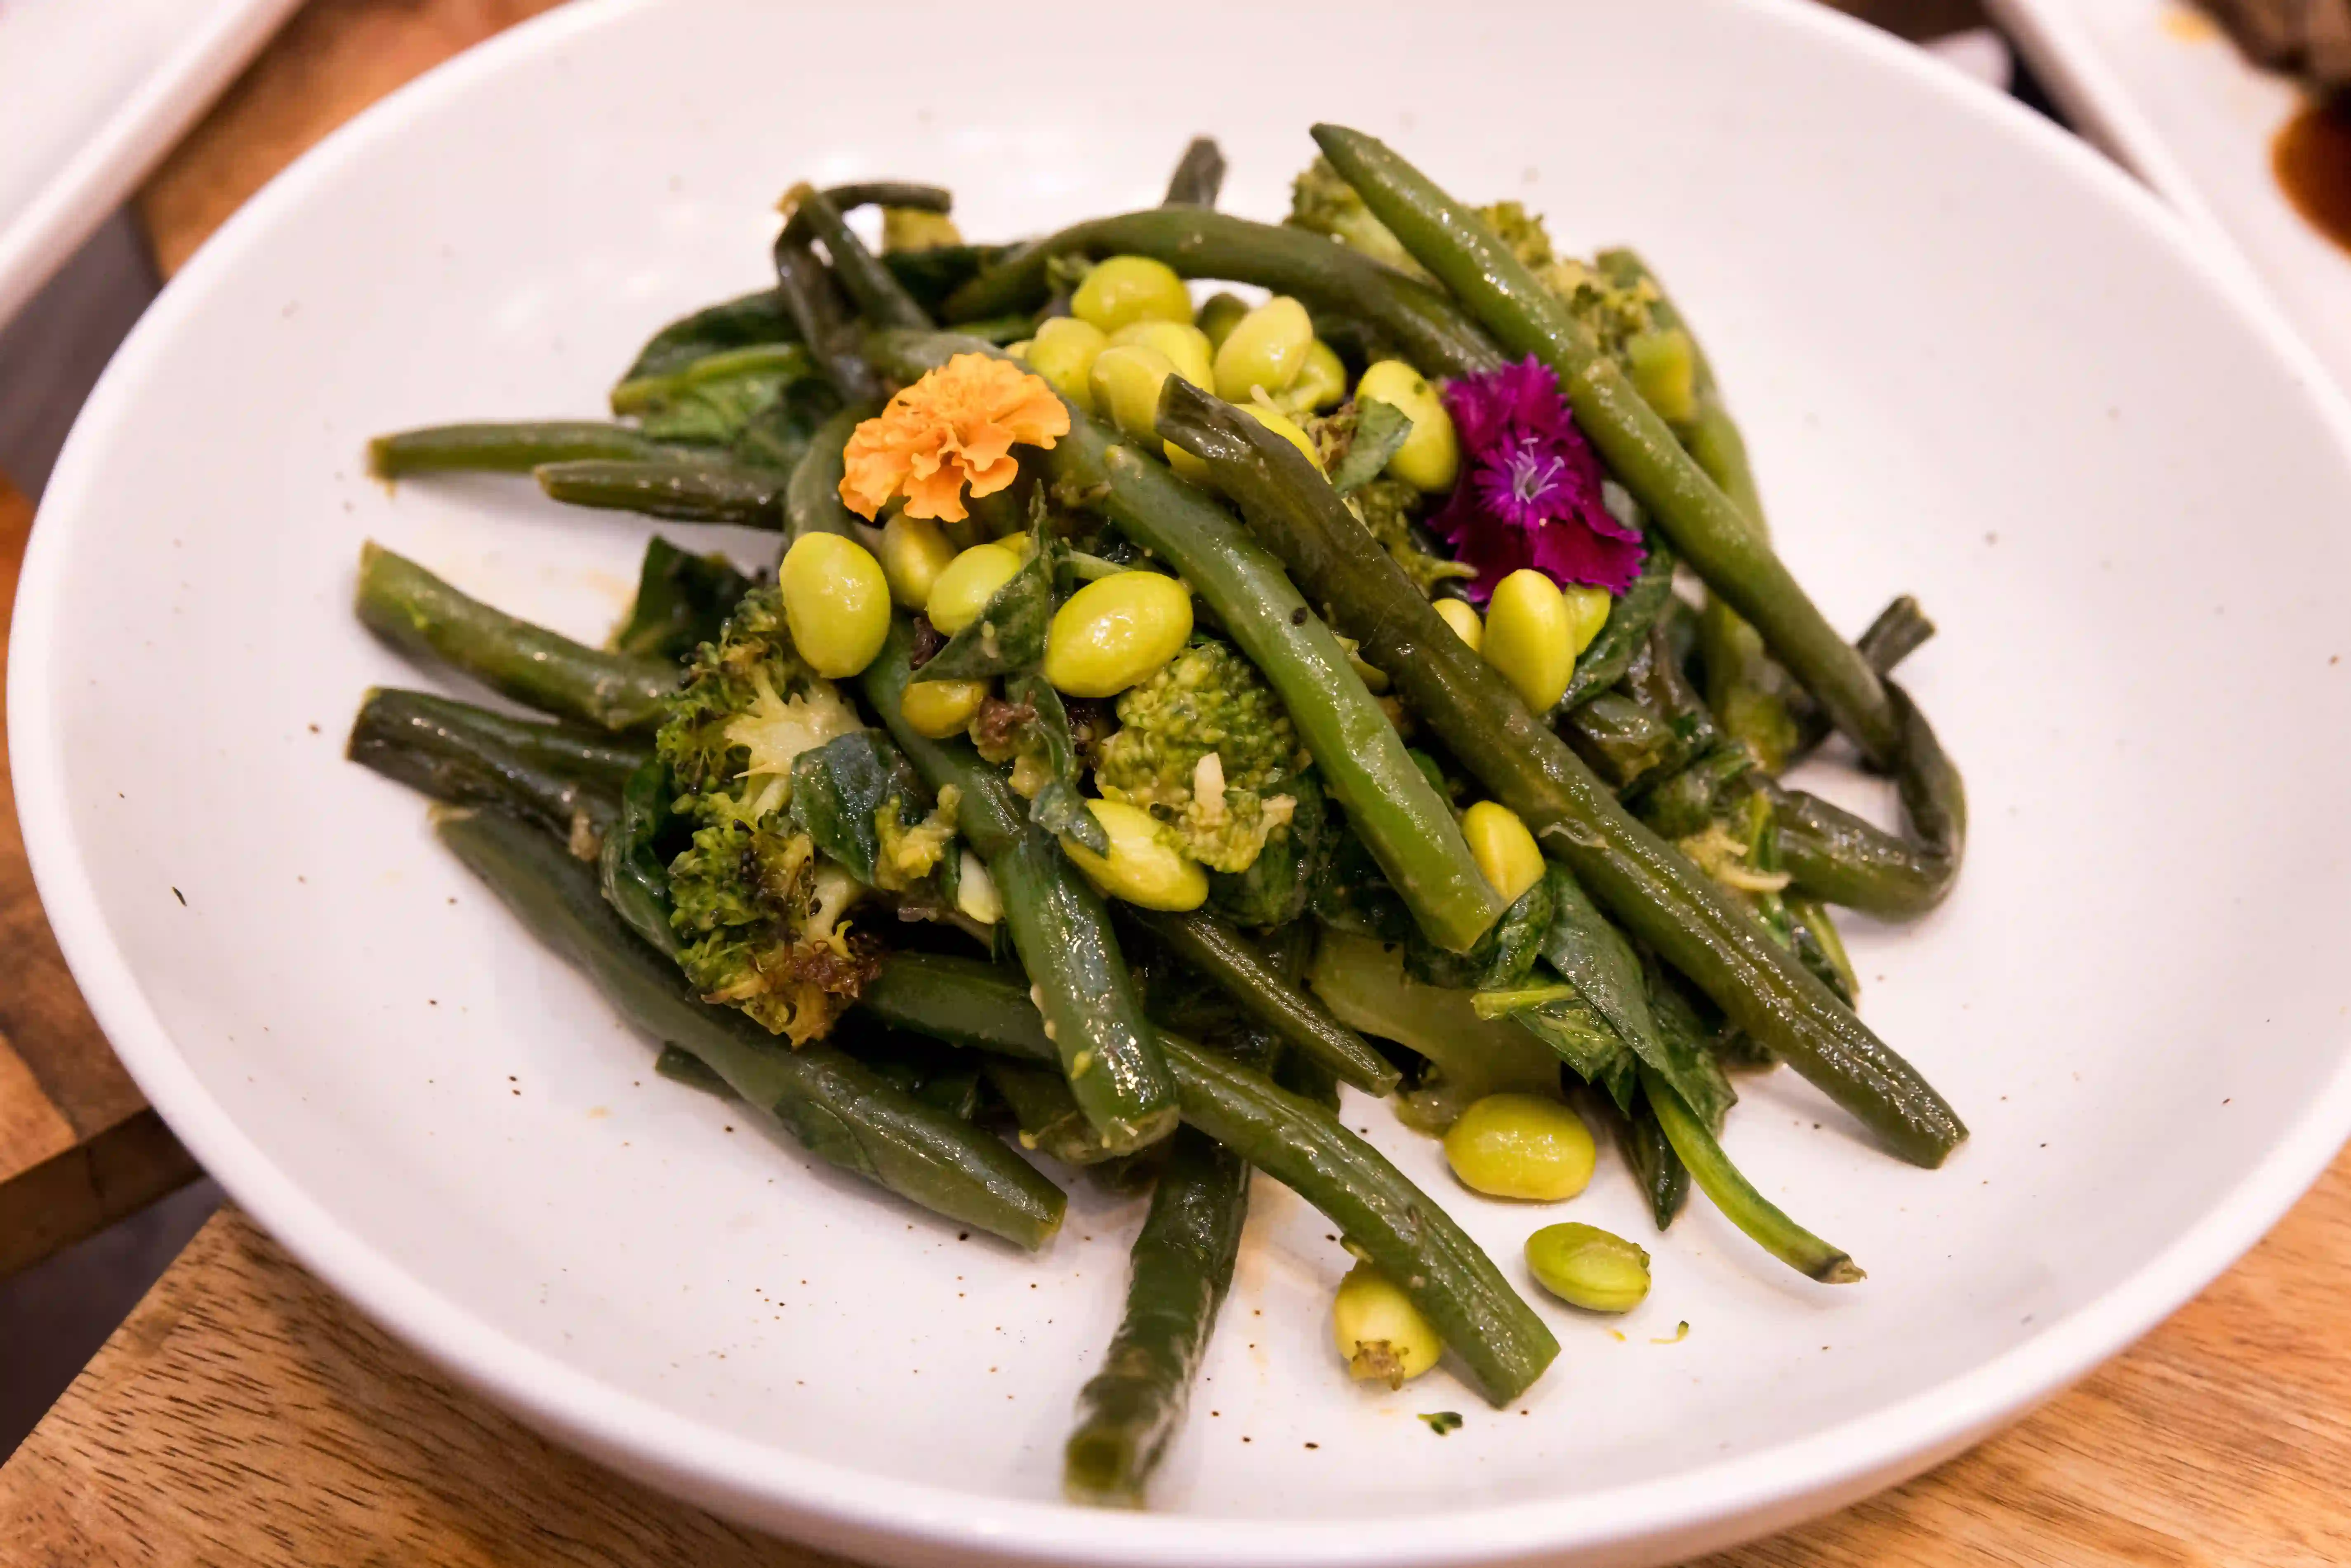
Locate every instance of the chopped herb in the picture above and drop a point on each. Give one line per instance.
(1442, 1421)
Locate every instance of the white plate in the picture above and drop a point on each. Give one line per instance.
(2161, 86)
(95, 94)
(1975, 360)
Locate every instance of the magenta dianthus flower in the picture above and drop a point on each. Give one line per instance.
(1528, 494)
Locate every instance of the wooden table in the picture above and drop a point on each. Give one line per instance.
(244, 1415)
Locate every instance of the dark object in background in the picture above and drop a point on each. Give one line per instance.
(2309, 37)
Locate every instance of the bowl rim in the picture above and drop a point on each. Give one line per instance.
(844, 1508)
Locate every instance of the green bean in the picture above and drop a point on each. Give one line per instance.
(1649, 886)
(683, 490)
(822, 317)
(1706, 526)
(566, 779)
(857, 194)
(812, 503)
(1058, 924)
(1736, 1195)
(1434, 333)
(880, 297)
(1199, 175)
(1226, 957)
(1836, 856)
(1392, 806)
(839, 1109)
(1750, 694)
(1900, 630)
(1048, 1115)
(1178, 1275)
(514, 448)
(738, 323)
(416, 612)
(1502, 1344)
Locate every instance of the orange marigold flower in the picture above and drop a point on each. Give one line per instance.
(957, 426)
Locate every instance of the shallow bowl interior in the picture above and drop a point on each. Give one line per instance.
(1972, 363)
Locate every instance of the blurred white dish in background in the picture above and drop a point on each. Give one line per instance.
(1973, 359)
(2162, 86)
(92, 92)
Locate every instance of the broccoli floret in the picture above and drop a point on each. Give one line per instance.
(911, 853)
(1363, 981)
(1387, 508)
(1615, 313)
(1323, 201)
(757, 909)
(913, 228)
(1204, 745)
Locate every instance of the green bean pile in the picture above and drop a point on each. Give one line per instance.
(1119, 812)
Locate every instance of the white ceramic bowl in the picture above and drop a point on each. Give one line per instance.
(1973, 360)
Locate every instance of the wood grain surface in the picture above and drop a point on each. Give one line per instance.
(244, 1415)
(79, 1147)
(333, 59)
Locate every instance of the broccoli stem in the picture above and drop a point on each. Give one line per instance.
(839, 1109)
(513, 448)
(1059, 925)
(1733, 1194)
(1225, 956)
(1181, 1267)
(1648, 885)
(419, 613)
(1390, 804)
(1501, 1342)
(679, 489)
(566, 779)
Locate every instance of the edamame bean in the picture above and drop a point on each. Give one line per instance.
(1528, 638)
(1587, 1267)
(976, 892)
(1431, 455)
(1126, 380)
(1521, 1145)
(963, 588)
(1462, 616)
(1380, 1334)
(1322, 381)
(1185, 346)
(1587, 611)
(1141, 869)
(937, 709)
(836, 603)
(1284, 427)
(1503, 848)
(1265, 350)
(1063, 353)
(914, 550)
(1219, 315)
(1124, 289)
(1663, 366)
(1114, 631)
